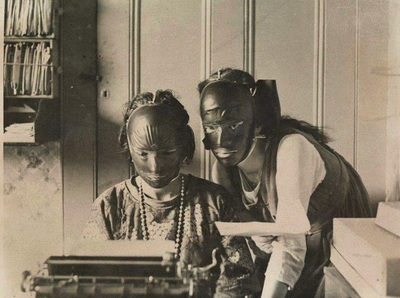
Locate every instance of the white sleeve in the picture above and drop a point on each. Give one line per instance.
(300, 169)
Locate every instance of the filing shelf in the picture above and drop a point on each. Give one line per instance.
(50, 88)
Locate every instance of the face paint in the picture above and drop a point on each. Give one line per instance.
(227, 117)
(154, 145)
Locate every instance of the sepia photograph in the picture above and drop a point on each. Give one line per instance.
(200, 148)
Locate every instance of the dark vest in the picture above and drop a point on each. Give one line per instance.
(340, 194)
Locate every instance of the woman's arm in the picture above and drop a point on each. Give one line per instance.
(96, 227)
(274, 289)
(105, 218)
(299, 171)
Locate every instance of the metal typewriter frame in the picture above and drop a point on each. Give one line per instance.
(188, 282)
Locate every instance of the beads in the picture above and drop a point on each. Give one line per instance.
(143, 219)
(181, 218)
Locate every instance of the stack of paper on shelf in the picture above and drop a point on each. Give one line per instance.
(28, 17)
(388, 217)
(28, 68)
(368, 253)
(19, 133)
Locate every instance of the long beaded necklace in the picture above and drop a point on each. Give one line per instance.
(181, 222)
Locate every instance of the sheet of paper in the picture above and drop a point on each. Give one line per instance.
(258, 228)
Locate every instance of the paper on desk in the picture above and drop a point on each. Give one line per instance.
(255, 228)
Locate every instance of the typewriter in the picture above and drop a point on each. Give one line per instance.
(120, 269)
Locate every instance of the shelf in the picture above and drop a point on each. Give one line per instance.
(30, 96)
(35, 70)
(29, 64)
(28, 39)
(21, 144)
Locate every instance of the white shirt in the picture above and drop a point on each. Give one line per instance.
(300, 169)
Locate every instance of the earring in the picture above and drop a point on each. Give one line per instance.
(257, 134)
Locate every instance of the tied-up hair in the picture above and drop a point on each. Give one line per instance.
(232, 75)
(177, 112)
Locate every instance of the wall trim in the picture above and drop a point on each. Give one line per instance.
(319, 63)
(205, 72)
(134, 51)
(249, 36)
(134, 54)
(356, 86)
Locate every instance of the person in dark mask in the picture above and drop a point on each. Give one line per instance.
(162, 203)
(284, 172)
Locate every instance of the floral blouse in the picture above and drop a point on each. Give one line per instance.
(115, 215)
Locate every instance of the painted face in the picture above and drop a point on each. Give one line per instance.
(154, 145)
(227, 117)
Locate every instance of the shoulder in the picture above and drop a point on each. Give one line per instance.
(117, 192)
(294, 141)
(211, 197)
(206, 187)
(297, 153)
(208, 193)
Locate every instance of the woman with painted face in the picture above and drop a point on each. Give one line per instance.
(162, 203)
(284, 172)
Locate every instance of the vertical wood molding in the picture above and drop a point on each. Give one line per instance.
(249, 36)
(134, 53)
(356, 85)
(206, 62)
(134, 69)
(319, 63)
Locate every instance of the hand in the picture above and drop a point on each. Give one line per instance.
(274, 289)
(264, 242)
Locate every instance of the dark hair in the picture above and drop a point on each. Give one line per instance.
(320, 136)
(247, 80)
(180, 118)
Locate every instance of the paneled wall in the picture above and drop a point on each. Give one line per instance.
(373, 63)
(393, 107)
(330, 60)
(284, 50)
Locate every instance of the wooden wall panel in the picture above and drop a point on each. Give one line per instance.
(113, 89)
(170, 56)
(78, 98)
(373, 95)
(227, 34)
(393, 107)
(340, 81)
(284, 50)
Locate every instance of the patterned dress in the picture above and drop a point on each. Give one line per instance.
(115, 215)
